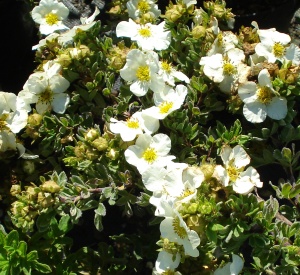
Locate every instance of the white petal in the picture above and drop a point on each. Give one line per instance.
(60, 103)
(255, 112)
(277, 108)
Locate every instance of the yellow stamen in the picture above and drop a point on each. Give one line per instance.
(178, 229)
(165, 107)
(229, 69)
(132, 123)
(3, 123)
(143, 73)
(278, 49)
(143, 6)
(150, 155)
(166, 67)
(265, 94)
(145, 32)
(46, 96)
(51, 18)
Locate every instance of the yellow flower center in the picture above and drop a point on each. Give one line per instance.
(220, 39)
(46, 96)
(165, 107)
(265, 94)
(145, 32)
(278, 49)
(228, 68)
(133, 123)
(51, 18)
(143, 73)
(143, 6)
(178, 229)
(187, 193)
(3, 123)
(168, 272)
(150, 155)
(166, 67)
(233, 173)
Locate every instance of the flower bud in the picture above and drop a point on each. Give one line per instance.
(174, 13)
(50, 186)
(100, 144)
(15, 189)
(207, 170)
(91, 135)
(35, 120)
(28, 167)
(198, 32)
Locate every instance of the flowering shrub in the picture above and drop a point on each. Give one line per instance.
(152, 141)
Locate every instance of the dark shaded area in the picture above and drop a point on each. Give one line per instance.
(18, 35)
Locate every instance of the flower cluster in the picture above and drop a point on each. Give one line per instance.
(170, 115)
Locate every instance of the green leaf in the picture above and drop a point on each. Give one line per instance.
(98, 222)
(64, 224)
(43, 268)
(12, 239)
(22, 248)
(32, 256)
(101, 210)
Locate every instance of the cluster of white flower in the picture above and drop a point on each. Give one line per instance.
(172, 184)
(226, 65)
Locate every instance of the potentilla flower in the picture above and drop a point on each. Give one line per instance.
(46, 89)
(224, 42)
(234, 172)
(166, 180)
(149, 150)
(137, 124)
(11, 118)
(167, 262)
(167, 101)
(7, 141)
(170, 75)
(224, 70)
(231, 268)
(148, 36)
(141, 71)
(174, 228)
(49, 14)
(137, 8)
(261, 100)
(273, 45)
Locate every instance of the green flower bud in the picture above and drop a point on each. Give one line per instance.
(100, 144)
(64, 60)
(91, 135)
(174, 12)
(113, 154)
(198, 32)
(35, 120)
(50, 186)
(207, 170)
(15, 189)
(28, 167)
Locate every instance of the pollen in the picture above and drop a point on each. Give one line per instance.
(150, 155)
(168, 272)
(132, 123)
(278, 49)
(233, 173)
(229, 69)
(143, 6)
(165, 107)
(166, 67)
(143, 73)
(51, 18)
(46, 96)
(145, 32)
(265, 95)
(3, 124)
(178, 229)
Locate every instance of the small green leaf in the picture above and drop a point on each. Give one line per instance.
(12, 239)
(22, 248)
(32, 256)
(101, 210)
(43, 268)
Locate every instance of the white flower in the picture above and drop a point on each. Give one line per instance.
(167, 180)
(167, 101)
(273, 45)
(224, 42)
(261, 100)
(174, 228)
(49, 14)
(11, 117)
(190, 2)
(235, 160)
(149, 150)
(224, 70)
(137, 8)
(46, 89)
(231, 268)
(169, 74)
(133, 126)
(7, 141)
(141, 71)
(148, 36)
(166, 262)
